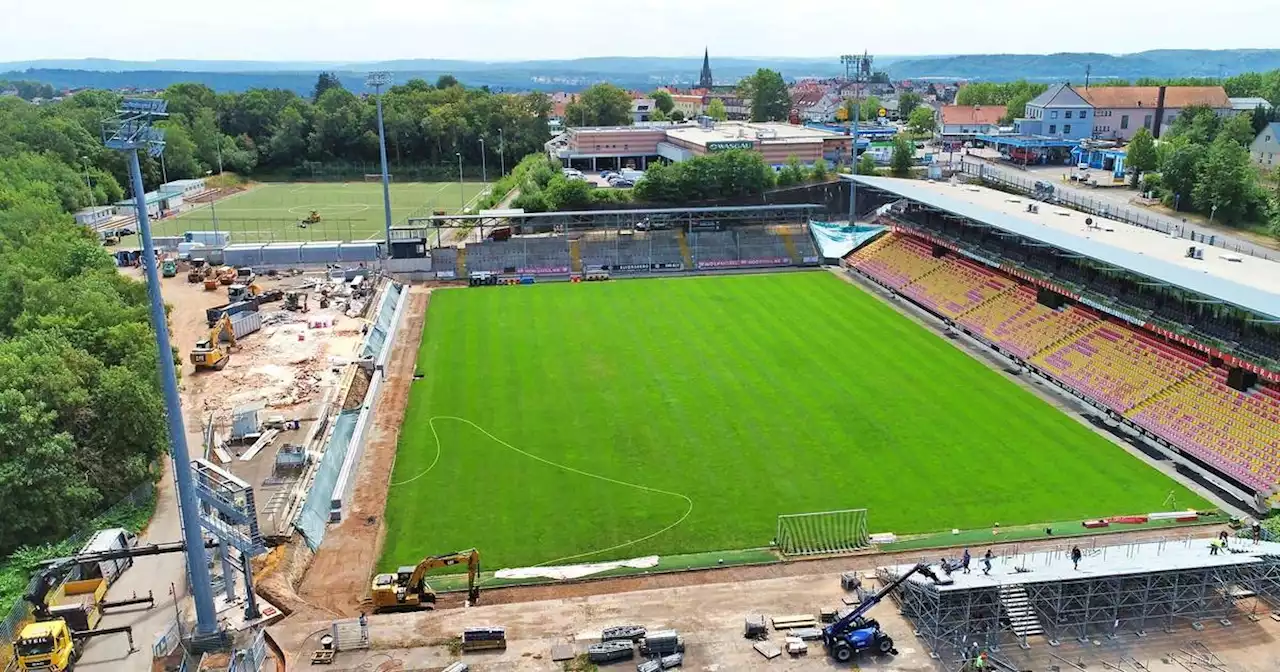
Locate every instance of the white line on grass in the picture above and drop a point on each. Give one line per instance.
(432, 424)
(380, 235)
(203, 206)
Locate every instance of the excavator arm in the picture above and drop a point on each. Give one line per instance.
(470, 556)
(836, 629)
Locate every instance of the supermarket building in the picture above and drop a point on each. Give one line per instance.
(597, 148)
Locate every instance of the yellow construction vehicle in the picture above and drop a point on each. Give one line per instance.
(408, 588)
(211, 353)
(226, 275)
(313, 218)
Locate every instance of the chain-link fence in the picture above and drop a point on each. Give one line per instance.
(1115, 211)
(20, 614)
(400, 172)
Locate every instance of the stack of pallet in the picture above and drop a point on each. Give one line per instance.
(661, 643)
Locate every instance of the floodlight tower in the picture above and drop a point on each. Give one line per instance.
(131, 131)
(378, 80)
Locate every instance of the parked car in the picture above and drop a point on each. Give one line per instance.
(621, 182)
(608, 174)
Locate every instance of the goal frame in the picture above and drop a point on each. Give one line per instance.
(822, 532)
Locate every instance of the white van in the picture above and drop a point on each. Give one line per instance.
(113, 539)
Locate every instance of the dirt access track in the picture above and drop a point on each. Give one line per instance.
(338, 579)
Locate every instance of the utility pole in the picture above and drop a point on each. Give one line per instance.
(378, 80)
(484, 170)
(462, 197)
(89, 181)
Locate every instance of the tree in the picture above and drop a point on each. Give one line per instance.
(180, 152)
(716, 110)
(446, 82)
(866, 165)
(1261, 117)
(1239, 129)
(870, 109)
(904, 156)
(792, 173)
(326, 81)
(767, 92)
(1199, 124)
(908, 102)
(731, 174)
(922, 120)
(820, 171)
(1225, 183)
(1178, 172)
(658, 115)
(677, 115)
(600, 105)
(1141, 154)
(664, 101)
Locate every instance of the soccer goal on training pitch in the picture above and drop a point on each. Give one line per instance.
(377, 177)
(823, 532)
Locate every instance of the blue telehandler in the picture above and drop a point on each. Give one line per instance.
(854, 634)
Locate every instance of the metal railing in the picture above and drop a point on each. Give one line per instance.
(1026, 183)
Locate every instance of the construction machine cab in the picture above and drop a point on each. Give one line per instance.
(407, 588)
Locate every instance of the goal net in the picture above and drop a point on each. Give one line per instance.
(823, 532)
(377, 177)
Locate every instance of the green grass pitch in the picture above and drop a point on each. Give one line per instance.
(349, 211)
(732, 399)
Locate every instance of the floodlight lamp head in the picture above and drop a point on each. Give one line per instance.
(378, 79)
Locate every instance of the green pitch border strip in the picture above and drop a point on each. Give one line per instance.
(672, 564)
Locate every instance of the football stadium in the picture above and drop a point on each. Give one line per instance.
(696, 384)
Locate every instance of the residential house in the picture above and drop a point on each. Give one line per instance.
(891, 109)
(1265, 150)
(1060, 112)
(690, 106)
(966, 122)
(1249, 104)
(805, 103)
(1119, 111)
(737, 109)
(642, 109)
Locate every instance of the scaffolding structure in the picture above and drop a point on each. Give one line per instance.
(1124, 589)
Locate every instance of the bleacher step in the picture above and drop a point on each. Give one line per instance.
(1017, 607)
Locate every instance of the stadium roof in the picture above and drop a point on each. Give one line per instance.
(1245, 281)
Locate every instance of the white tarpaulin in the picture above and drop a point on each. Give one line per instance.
(575, 571)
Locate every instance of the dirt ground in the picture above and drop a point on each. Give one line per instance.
(710, 618)
(338, 579)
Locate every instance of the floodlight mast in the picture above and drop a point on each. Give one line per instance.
(378, 80)
(131, 131)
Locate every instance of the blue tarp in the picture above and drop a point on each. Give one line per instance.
(836, 240)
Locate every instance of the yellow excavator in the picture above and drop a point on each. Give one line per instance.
(407, 588)
(210, 354)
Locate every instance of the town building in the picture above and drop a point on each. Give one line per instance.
(963, 123)
(188, 188)
(157, 204)
(1119, 111)
(642, 109)
(1060, 112)
(1265, 149)
(611, 147)
(690, 105)
(1249, 104)
(93, 217)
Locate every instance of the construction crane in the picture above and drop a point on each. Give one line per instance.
(210, 353)
(854, 634)
(408, 588)
(55, 640)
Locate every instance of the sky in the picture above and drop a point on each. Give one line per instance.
(369, 30)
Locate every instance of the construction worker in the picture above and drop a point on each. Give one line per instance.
(986, 563)
(1075, 557)
(1257, 533)
(964, 561)
(1213, 546)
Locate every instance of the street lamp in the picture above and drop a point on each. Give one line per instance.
(88, 181)
(502, 152)
(164, 171)
(213, 209)
(378, 80)
(462, 198)
(484, 170)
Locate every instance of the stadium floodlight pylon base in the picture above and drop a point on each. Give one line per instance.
(822, 532)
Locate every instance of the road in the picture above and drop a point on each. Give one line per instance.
(163, 573)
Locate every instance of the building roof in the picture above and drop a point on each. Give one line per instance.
(807, 97)
(1248, 282)
(975, 115)
(1249, 103)
(1059, 95)
(1272, 129)
(643, 105)
(1175, 97)
(770, 132)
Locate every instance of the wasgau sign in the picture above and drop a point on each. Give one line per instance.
(726, 145)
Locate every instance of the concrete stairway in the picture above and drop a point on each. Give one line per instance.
(1017, 606)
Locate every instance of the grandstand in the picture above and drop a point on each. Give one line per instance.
(1146, 345)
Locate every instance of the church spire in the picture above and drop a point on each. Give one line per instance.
(705, 81)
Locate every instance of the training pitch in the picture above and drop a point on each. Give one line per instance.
(578, 422)
(348, 211)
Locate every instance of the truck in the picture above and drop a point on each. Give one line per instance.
(852, 634)
(214, 314)
(111, 539)
(169, 268)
